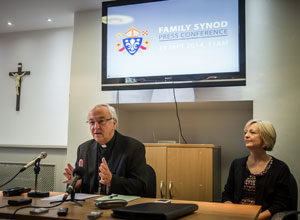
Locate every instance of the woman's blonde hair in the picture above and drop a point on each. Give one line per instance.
(266, 131)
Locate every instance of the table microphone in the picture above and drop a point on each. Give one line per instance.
(43, 155)
(77, 173)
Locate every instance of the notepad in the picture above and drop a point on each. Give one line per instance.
(117, 196)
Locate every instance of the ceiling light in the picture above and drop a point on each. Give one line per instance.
(49, 20)
(9, 23)
(117, 19)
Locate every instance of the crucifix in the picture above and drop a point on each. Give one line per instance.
(18, 77)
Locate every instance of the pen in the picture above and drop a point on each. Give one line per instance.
(113, 195)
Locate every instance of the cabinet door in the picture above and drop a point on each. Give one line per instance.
(156, 157)
(190, 173)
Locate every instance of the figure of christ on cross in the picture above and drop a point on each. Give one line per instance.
(18, 78)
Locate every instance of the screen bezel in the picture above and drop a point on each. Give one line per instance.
(175, 81)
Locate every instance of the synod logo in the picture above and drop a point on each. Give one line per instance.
(132, 42)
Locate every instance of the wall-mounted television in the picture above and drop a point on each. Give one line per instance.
(150, 44)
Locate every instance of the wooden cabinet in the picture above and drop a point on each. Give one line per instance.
(186, 171)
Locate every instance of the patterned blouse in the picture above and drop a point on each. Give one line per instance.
(248, 193)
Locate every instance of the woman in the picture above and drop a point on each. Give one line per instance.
(259, 178)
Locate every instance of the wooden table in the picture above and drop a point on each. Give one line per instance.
(206, 210)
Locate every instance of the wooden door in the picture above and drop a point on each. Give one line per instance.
(190, 173)
(156, 158)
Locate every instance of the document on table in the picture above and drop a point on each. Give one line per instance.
(77, 196)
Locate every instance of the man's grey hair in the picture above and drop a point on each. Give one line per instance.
(110, 108)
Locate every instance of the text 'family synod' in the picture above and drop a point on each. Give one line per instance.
(192, 27)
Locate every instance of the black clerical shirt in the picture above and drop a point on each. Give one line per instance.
(103, 151)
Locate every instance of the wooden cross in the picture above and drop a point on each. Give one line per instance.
(18, 77)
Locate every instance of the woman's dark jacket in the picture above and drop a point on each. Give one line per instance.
(272, 189)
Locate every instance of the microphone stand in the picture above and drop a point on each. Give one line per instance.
(72, 199)
(36, 193)
(77, 174)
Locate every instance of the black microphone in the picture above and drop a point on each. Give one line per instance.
(77, 173)
(43, 155)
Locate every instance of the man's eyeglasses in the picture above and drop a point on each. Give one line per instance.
(100, 122)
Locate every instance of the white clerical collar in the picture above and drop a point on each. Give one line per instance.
(104, 146)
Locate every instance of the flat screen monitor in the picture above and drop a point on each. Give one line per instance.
(173, 44)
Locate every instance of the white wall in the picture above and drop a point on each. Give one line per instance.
(43, 115)
(42, 122)
(272, 44)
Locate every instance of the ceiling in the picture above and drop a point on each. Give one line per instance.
(28, 15)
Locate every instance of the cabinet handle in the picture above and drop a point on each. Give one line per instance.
(170, 189)
(161, 189)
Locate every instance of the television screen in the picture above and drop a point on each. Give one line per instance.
(173, 43)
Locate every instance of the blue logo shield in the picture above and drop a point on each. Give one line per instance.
(132, 44)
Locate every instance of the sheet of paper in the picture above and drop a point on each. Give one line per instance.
(117, 196)
(77, 196)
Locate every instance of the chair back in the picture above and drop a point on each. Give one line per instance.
(293, 192)
(151, 182)
(292, 213)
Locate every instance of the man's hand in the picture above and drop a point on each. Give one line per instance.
(69, 174)
(104, 173)
(265, 215)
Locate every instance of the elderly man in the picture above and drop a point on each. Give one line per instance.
(113, 163)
